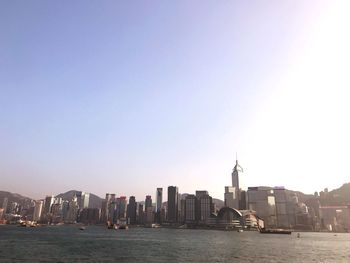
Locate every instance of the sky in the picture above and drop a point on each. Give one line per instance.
(127, 96)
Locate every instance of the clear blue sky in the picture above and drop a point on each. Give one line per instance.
(127, 96)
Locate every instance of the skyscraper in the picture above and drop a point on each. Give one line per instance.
(204, 203)
(83, 199)
(190, 209)
(148, 201)
(231, 197)
(173, 204)
(37, 210)
(47, 207)
(235, 175)
(4, 204)
(120, 211)
(232, 193)
(131, 211)
(159, 199)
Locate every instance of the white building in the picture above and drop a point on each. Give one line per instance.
(37, 210)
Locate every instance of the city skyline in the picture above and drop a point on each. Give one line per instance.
(125, 98)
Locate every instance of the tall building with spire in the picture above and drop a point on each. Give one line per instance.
(232, 193)
(237, 170)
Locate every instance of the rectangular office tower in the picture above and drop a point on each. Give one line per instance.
(173, 204)
(131, 210)
(159, 199)
(271, 204)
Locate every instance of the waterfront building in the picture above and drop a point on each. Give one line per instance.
(2, 213)
(243, 200)
(140, 215)
(227, 218)
(37, 210)
(159, 199)
(182, 211)
(104, 211)
(73, 209)
(173, 204)
(89, 216)
(281, 207)
(131, 210)
(159, 205)
(46, 213)
(120, 209)
(4, 204)
(271, 204)
(56, 213)
(65, 207)
(107, 209)
(335, 218)
(83, 199)
(14, 208)
(204, 207)
(190, 209)
(49, 200)
(149, 215)
(148, 201)
(111, 208)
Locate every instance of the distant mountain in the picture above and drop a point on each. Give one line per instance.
(340, 196)
(13, 197)
(301, 196)
(94, 201)
(218, 203)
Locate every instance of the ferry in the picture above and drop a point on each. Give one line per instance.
(275, 231)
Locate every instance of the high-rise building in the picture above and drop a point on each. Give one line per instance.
(49, 200)
(120, 211)
(56, 212)
(90, 216)
(173, 204)
(65, 208)
(140, 215)
(83, 199)
(204, 204)
(159, 199)
(37, 210)
(243, 200)
(235, 174)
(73, 209)
(4, 204)
(182, 211)
(262, 200)
(148, 201)
(190, 209)
(200, 193)
(131, 211)
(231, 197)
(107, 208)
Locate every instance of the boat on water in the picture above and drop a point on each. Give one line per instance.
(275, 231)
(121, 224)
(82, 228)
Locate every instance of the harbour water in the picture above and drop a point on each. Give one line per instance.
(98, 244)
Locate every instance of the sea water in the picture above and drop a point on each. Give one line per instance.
(98, 244)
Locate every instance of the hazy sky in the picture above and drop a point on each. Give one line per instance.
(127, 96)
